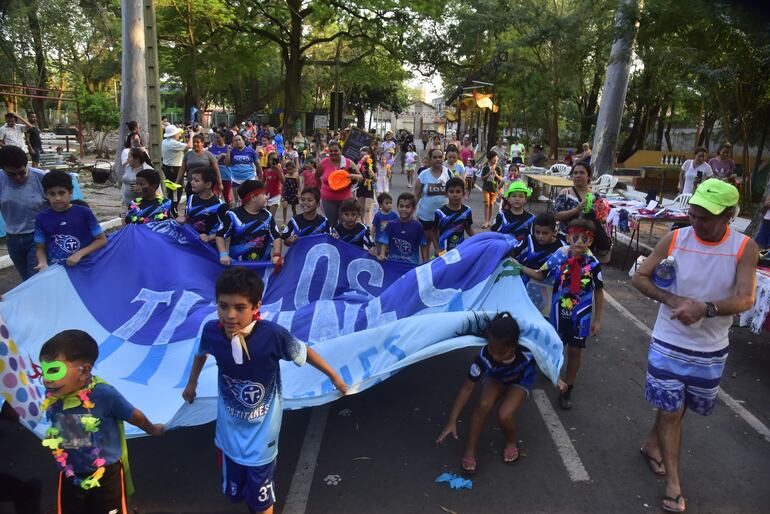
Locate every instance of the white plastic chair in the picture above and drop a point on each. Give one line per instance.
(559, 169)
(605, 184)
(681, 202)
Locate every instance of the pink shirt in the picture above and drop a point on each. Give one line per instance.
(466, 153)
(272, 182)
(308, 175)
(327, 193)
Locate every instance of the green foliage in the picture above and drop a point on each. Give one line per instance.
(99, 110)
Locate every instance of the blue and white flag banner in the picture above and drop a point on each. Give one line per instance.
(146, 296)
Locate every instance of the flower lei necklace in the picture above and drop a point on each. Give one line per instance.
(90, 424)
(141, 219)
(576, 280)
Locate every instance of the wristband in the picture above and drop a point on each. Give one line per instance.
(224, 254)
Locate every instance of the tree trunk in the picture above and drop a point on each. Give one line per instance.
(38, 104)
(589, 113)
(661, 124)
(627, 148)
(360, 117)
(753, 227)
(615, 86)
(553, 132)
(292, 59)
(133, 94)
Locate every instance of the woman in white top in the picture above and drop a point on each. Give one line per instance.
(694, 171)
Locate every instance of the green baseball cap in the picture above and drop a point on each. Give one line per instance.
(715, 196)
(517, 186)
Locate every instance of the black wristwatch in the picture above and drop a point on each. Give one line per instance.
(711, 310)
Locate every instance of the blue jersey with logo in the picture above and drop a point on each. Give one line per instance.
(404, 240)
(249, 401)
(517, 225)
(242, 164)
(381, 221)
(357, 236)
(206, 216)
(111, 408)
(300, 226)
(451, 226)
(66, 232)
(216, 151)
(520, 370)
(251, 235)
(146, 211)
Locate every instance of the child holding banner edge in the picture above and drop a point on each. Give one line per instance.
(247, 350)
(509, 372)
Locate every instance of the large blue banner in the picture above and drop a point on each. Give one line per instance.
(145, 297)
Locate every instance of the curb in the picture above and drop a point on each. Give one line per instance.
(5, 260)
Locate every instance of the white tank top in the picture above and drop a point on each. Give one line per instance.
(705, 271)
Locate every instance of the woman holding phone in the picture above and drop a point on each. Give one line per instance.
(694, 171)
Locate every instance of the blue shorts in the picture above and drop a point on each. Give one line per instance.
(252, 484)
(678, 378)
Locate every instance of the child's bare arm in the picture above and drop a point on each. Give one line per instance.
(138, 419)
(383, 252)
(596, 321)
(531, 273)
(224, 257)
(42, 257)
(424, 252)
(99, 241)
(192, 382)
(321, 365)
(462, 398)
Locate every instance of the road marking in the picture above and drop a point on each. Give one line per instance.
(577, 472)
(728, 400)
(299, 489)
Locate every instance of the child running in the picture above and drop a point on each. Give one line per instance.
(64, 233)
(470, 177)
(509, 372)
(308, 222)
(351, 230)
(384, 215)
(578, 286)
(453, 220)
(404, 239)
(248, 232)
(274, 180)
(205, 211)
(86, 436)
(515, 221)
(410, 164)
(248, 351)
(149, 206)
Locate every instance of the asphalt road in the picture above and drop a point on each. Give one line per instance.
(377, 451)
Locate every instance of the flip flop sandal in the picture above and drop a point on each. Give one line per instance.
(650, 461)
(673, 500)
(468, 465)
(510, 455)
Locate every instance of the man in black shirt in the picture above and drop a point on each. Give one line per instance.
(34, 141)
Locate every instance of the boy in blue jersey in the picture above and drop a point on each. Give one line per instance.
(149, 206)
(384, 215)
(64, 233)
(249, 232)
(515, 221)
(351, 230)
(404, 240)
(308, 222)
(86, 436)
(453, 220)
(248, 351)
(579, 285)
(535, 249)
(205, 211)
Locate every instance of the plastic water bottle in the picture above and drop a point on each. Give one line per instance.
(665, 273)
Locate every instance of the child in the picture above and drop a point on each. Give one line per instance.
(365, 191)
(149, 206)
(351, 230)
(248, 351)
(383, 174)
(219, 150)
(515, 221)
(274, 180)
(453, 220)
(205, 211)
(64, 233)
(509, 372)
(410, 163)
(263, 151)
(309, 222)
(249, 232)
(290, 189)
(455, 166)
(290, 155)
(578, 285)
(470, 177)
(491, 176)
(534, 251)
(404, 239)
(86, 435)
(383, 216)
(309, 179)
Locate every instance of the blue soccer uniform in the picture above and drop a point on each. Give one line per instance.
(206, 216)
(251, 235)
(517, 225)
(146, 211)
(451, 226)
(66, 232)
(301, 227)
(357, 236)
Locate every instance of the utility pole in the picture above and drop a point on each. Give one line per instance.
(153, 83)
(133, 93)
(615, 86)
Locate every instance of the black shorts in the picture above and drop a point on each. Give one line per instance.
(426, 225)
(110, 496)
